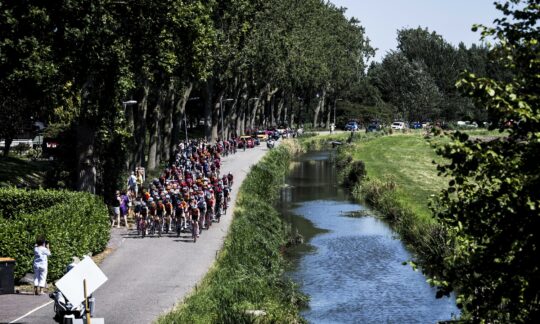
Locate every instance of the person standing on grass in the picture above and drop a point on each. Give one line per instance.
(41, 257)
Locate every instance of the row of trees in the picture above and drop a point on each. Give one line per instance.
(416, 82)
(81, 64)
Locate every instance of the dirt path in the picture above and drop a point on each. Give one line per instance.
(147, 277)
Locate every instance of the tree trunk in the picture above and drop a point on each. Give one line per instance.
(241, 118)
(232, 111)
(140, 126)
(316, 112)
(253, 113)
(229, 116)
(86, 169)
(179, 116)
(280, 105)
(328, 117)
(154, 133)
(166, 130)
(286, 105)
(216, 119)
(318, 108)
(7, 146)
(208, 101)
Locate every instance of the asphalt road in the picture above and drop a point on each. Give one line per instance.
(147, 277)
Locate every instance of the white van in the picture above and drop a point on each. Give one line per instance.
(398, 125)
(467, 124)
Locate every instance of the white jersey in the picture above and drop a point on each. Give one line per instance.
(41, 256)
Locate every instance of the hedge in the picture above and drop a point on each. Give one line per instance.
(74, 223)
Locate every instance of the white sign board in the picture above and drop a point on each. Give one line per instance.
(71, 285)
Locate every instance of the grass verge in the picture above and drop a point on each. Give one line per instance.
(406, 161)
(17, 171)
(248, 273)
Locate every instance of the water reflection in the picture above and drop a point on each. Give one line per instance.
(353, 272)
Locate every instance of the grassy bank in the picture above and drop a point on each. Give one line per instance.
(407, 162)
(17, 171)
(248, 273)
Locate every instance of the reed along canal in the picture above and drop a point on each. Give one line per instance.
(351, 262)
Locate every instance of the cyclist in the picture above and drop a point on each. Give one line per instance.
(180, 216)
(137, 210)
(201, 204)
(210, 204)
(230, 177)
(168, 213)
(160, 213)
(195, 215)
(152, 212)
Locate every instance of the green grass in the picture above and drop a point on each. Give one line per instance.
(14, 171)
(407, 161)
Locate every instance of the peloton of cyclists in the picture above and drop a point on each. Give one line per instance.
(189, 195)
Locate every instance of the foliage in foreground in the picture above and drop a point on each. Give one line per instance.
(491, 209)
(74, 223)
(248, 274)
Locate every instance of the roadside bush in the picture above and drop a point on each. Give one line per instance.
(21, 148)
(34, 153)
(353, 173)
(74, 224)
(17, 201)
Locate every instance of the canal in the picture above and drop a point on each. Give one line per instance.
(351, 263)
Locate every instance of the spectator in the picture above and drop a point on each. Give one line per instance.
(41, 255)
(116, 209)
(140, 179)
(132, 184)
(124, 208)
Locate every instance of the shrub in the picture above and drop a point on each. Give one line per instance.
(34, 153)
(74, 223)
(354, 173)
(21, 148)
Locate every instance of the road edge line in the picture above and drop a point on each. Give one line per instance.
(30, 312)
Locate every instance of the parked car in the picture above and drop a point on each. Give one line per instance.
(262, 135)
(467, 124)
(373, 127)
(398, 125)
(416, 125)
(351, 126)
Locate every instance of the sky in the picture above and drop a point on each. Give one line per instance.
(452, 19)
